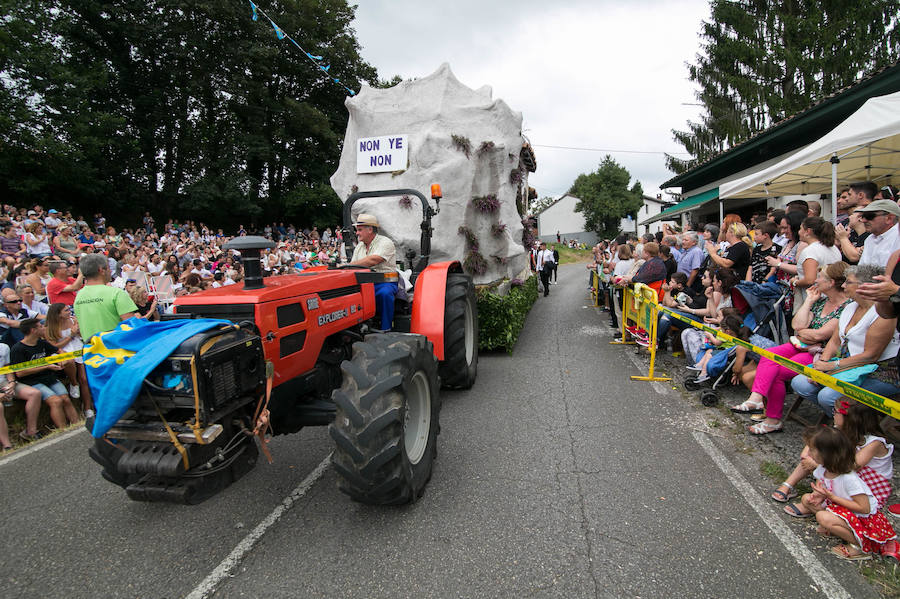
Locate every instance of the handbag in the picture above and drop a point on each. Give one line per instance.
(855, 374)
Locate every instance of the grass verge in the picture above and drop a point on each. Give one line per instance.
(570, 256)
(773, 471)
(884, 575)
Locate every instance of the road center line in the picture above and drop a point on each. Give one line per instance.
(820, 575)
(224, 569)
(43, 444)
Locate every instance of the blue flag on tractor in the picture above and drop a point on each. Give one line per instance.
(117, 361)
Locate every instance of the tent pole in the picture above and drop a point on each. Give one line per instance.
(721, 211)
(834, 162)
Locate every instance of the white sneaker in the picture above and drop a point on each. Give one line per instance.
(74, 391)
(88, 414)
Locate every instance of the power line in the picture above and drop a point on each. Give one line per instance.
(609, 150)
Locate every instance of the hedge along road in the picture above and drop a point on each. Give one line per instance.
(556, 477)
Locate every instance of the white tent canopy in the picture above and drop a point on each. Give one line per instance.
(865, 147)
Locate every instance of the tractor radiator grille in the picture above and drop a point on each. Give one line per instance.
(224, 382)
(339, 292)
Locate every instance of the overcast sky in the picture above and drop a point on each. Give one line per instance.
(583, 73)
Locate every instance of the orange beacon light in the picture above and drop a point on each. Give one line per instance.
(436, 191)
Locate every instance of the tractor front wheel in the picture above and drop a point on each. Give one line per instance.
(387, 420)
(460, 365)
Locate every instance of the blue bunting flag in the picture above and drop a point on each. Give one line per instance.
(277, 29)
(255, 10)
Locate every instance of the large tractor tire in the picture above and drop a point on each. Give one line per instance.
(387, 420)
(460, 365)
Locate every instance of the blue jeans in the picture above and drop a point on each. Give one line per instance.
(48, 391)
(824, 397)
(384, 303)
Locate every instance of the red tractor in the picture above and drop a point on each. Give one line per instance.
(305, 342)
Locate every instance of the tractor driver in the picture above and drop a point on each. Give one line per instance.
(377, 252)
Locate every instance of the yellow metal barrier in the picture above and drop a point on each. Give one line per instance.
(629, 312)
(873, 400)
(595, 288)
(640, 306)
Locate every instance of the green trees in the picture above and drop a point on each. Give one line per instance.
(762, 61)
(606, 198)
(536, 205)
(183, 107)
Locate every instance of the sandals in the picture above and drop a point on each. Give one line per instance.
(793, 511)
(782, 497)
(762, 428)
(843, 552)
(748, 407)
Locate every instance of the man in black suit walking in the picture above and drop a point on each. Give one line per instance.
(545, 264)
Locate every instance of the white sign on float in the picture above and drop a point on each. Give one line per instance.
(383, 154)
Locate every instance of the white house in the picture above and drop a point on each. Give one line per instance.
(560, 217)
(652, 206)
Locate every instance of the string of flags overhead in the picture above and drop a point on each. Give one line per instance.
(255, 11)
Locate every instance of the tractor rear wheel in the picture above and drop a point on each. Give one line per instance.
(460, 365)
(387, 420)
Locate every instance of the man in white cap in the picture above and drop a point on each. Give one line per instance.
(378, 253)
(881, 217)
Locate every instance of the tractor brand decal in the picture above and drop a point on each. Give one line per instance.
(353, 309)
(312, 303)
(332, 316)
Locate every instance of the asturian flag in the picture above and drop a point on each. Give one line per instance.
(117, 361)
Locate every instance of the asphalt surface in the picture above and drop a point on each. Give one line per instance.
(557, 476)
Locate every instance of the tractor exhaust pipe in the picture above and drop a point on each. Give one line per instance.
(250, 247)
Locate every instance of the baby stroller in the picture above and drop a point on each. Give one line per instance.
(764, 301)
(763, 317)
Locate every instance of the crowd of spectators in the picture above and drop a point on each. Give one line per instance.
(838, 287)
(40, 255)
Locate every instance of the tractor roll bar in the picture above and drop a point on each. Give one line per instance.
(427, 213)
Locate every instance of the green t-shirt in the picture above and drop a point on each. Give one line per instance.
(98, 308)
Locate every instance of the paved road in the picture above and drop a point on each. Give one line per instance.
(557, 477)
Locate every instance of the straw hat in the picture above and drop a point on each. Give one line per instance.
(367, 220)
